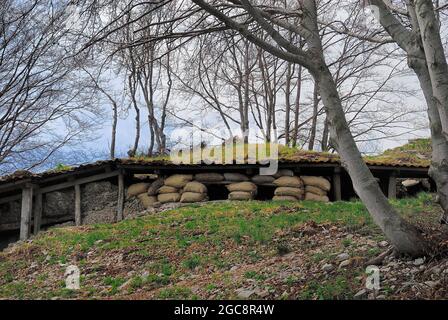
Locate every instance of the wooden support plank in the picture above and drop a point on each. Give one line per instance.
(392, 186)
(337, 190)
(120, 202)
(26, 212)
(38, 207)
(78, 217)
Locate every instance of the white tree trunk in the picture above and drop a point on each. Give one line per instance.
(435, 57)
(403, 236)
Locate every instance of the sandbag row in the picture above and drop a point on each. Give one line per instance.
(288, 187)
(316, 188)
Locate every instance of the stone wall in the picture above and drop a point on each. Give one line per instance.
(98, 204)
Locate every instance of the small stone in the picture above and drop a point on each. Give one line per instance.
(344, 264)
(360, 294)
(327, 267)
(261, 293)
(381, 297)
(419, 261)
(383, 244)
(244, 293)
(342, 257)
(432, 284)
(234, 268)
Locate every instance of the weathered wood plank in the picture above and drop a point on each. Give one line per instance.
(78, 217)
(120, 202)
(337, 189)
(392, 186)
(26, 212)
(37, 213)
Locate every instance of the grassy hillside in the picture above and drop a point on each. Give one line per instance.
(268, 250)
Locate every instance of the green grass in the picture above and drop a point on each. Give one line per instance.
(333, 289)
(171, 244)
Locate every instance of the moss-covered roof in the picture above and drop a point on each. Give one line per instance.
(415, 154)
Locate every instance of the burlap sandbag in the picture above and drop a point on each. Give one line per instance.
(240, 195)
(168, 197)
(235, 177)
(136, 189)
(167, 189)
(284, 173)
(290, 192)
(190, 197)
(242, 186)
(315, 190)
(152, 190)
(293, 182)
(315, 197)
(146, 200)
(284, 198)
(178, 180)
(319, 182)
(262, 179)
(195, 186)
(208, 177)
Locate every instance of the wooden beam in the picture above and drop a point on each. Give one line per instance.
(26, 211)
(337, 190)
(65, 185)
(78, 217)
(120, 202)
(85, 180)
(392, 186)
(37, 213)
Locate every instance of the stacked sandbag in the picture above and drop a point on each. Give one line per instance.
(284, 173)
(140, 190)
(194, 191)
(136, 189)
(235, 177)
(242, 190)
(316, 188)
(288, 188)
(172, 188)
(209, 177)
(261, 179)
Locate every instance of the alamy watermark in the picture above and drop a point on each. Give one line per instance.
(247, 148)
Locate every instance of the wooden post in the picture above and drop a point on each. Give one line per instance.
(38, 207)
(337, 192)
(120, 202)
(78, 217)
(26, 211)
(392, 187)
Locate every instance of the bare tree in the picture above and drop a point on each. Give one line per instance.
(39, 87)
(425, 53)
(402, 235)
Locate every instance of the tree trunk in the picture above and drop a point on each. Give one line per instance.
(324, 143)
(435, 57)
(297, 108)
(438, 170)
(403, 236)
(114, 131)
(314, 118)
(287, 103)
